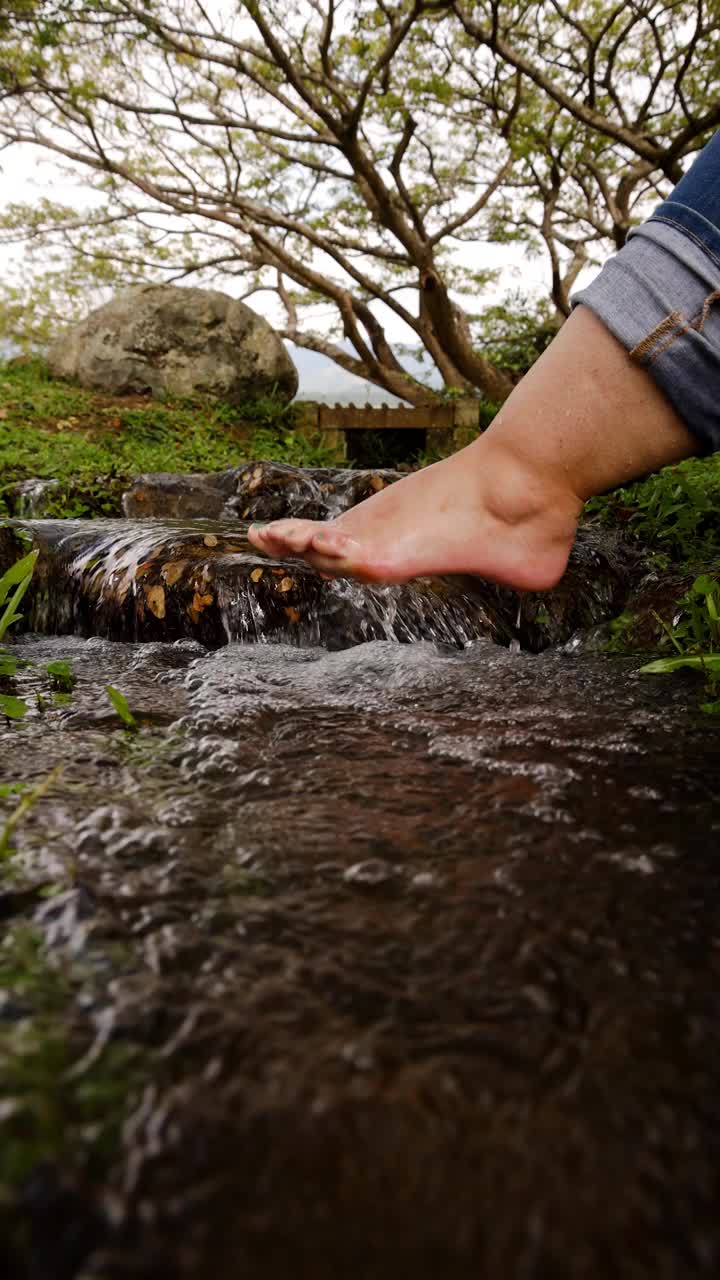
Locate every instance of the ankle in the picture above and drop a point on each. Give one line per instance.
(519, 489)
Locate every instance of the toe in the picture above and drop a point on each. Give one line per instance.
(297, 535)
(332, 543)
(290, 536)
(256, 536)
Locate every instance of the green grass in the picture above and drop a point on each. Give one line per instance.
(673, 516)
(58, 1090)
(674, 513)
(92, 445)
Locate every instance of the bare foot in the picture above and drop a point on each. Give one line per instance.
(478, 512)
(583, 420)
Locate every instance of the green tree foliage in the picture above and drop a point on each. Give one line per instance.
(343, 155)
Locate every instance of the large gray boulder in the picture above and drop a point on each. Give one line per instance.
(182, 342)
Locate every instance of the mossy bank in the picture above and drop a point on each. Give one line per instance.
(92, 445)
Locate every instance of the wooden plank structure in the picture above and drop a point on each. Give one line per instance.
(344, 417)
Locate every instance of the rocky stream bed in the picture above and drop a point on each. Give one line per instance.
(358, 958)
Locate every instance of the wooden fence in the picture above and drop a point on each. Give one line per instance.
(349, 417)
(446, 426)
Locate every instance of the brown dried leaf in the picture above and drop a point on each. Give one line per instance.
(173, 570)
(287, 584)
(292, 614)
(155, 597)
(256, 575)
(210, 540)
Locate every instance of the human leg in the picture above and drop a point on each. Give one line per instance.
(584, 419)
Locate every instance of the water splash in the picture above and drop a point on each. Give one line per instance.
(163, 580)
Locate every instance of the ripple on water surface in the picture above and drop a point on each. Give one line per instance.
(415, 949)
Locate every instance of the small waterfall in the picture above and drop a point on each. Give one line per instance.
(186, 569)
(152, 580)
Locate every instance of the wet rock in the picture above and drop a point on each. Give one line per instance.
(270, 490)
(176, 341)
(64, 1225)
(129, 580)
(258, 491)
(594, 587)
(29, 498)
(183, 497)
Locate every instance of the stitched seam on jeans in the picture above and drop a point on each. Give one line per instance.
(667, 327)
(699, 324)
(670, 329)
(685, 328)
(680, 226)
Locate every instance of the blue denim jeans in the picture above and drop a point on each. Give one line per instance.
(660, 296)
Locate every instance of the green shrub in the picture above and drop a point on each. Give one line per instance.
(673, 512)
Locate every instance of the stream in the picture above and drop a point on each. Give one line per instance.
(369, 954)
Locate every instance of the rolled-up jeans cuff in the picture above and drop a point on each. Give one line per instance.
(660, 297)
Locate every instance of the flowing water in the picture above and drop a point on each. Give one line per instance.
(168, 579)
(372, 961)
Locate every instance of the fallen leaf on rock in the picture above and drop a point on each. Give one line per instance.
(121, 586)
(256, 575)
(199, 603)
(172, 571)
(210, 540)
(292, 613)
(279, 573)
(287, 584)
(155, 597)
(377, 483)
